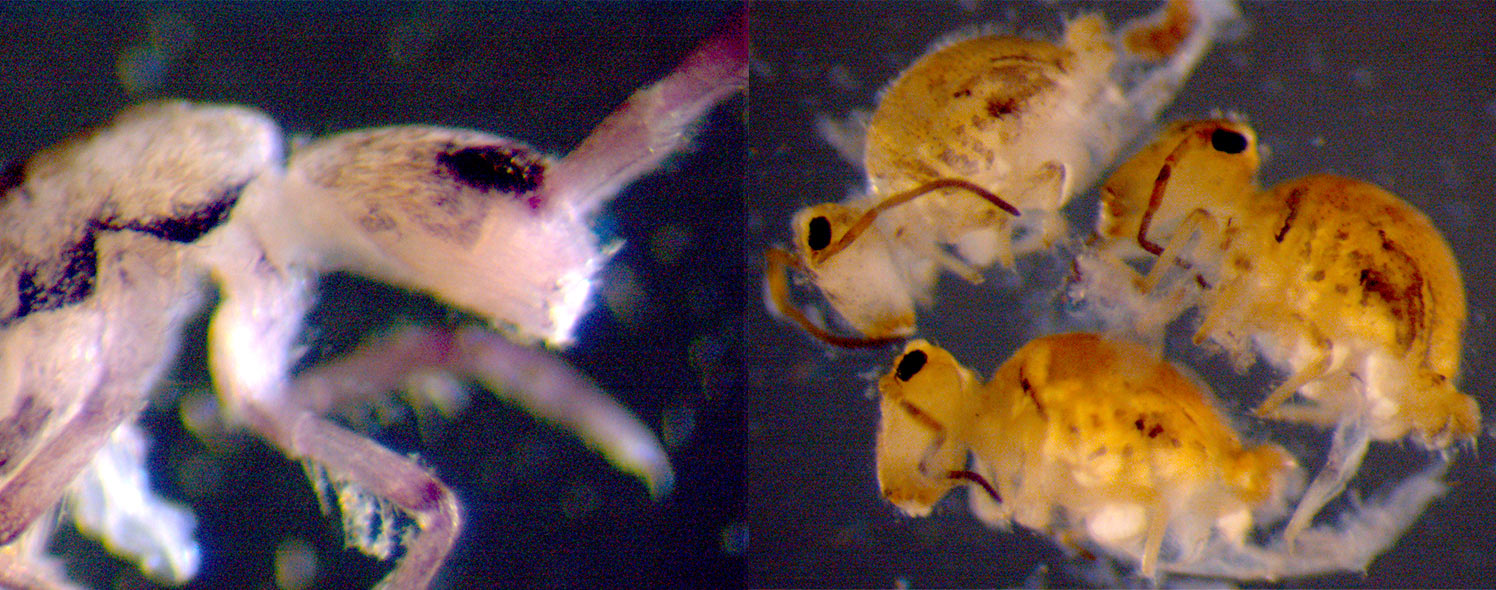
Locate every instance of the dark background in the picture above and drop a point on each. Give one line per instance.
(542, 509)
(1400, 94)
(1397, 93)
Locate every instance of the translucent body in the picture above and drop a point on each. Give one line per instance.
(1027, 121)
(1343, 286)
(119, 232)
(1081, 438)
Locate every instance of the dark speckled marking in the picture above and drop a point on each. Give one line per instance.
(1028, 389)
(69, 277)
(1402, 291)
(492, 168)
(1292, 202)
(431, 495)
(68, 280)
(185, 228)
(998, 106)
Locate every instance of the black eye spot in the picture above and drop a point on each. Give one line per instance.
(820, 233)
(910, 365)
(1227, 141)
(491, 168)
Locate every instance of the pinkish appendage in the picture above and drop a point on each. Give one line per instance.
(536, 380)
(655, 122)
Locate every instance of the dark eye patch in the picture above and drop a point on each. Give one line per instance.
(820, 233)
(493, 168)
(910, 365)
(1228, 141)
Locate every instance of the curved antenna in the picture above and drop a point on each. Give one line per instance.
(897, 199)
(776, 267)
(1161, 184)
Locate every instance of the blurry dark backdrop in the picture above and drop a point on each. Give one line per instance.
(542, 509)
(1402, 94)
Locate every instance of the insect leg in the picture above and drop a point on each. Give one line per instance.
(371, 371)
(541, 383)
(1004, 250)
(250, 338)
(29, 493)
(1055, 226)
(36, 485)
(1158, 526)
(1056, 178)
(1314, 370)
(966, 271)
(1198, 222)
(24, 562)
(1347, 448)
(548, 387)
(1366, 530)
(1348, 545)
(347, 458)
(1111, 289)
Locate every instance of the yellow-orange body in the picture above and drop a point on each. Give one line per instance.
(1335, 280)
(1027, 121)
(1011, 114)
(1082, 438)
(1341, 284)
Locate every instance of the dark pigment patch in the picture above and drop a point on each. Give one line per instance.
(68, 279)
(1401, 286)
(1028, 389)
(999, 106)
(1295, 196)
(492, 168)
(185, 228)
